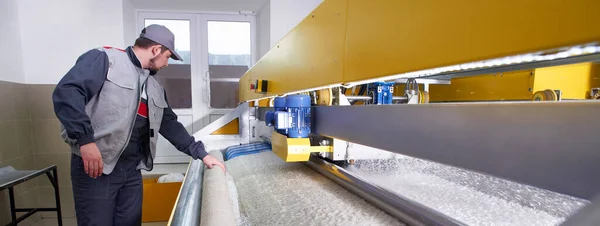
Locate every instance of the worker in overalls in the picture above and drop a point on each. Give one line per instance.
(112, 110)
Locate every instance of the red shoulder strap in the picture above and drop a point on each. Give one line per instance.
(110, 47)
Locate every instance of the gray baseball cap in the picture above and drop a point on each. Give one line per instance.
(161, 35)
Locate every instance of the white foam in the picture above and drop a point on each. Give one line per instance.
(272, 192)
(469, 197)
(462, 203)
(240, 217)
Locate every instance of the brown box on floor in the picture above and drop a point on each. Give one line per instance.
(158, 199)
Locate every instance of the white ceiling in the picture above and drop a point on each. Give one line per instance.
(200, 5)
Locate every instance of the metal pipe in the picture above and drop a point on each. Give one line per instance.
(359, 98)
(402, 208)
(370, 98)
(587, 216)
(189, 202)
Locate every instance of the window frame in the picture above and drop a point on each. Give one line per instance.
(203, 28)
(155, 15)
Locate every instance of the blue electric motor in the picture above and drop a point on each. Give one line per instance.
(298, 106)
(278, 105)
(381, 92)
(291, 116)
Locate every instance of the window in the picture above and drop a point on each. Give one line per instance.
(229, 57)
(176, 78)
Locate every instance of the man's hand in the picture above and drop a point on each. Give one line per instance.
(210, 162)
(92, 160)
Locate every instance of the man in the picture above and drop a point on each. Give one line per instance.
(111, 109)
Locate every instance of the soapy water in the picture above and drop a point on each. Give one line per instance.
(241, 218)
(472, 198)
(273, 192)
(556, 204)
(267, 191)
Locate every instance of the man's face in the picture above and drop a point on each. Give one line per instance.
(160, 59)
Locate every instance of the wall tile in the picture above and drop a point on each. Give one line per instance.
(46, 199)
(24, 137)
(9, 148)
(31, 220)
(27, 185)
(27, 163)
(28, 199)
(21, 102)
(62, 162)
(7, 102)
(19, 136)
(4, 208)
(16, 163)
(23, 163)
(46, 137)
(20, 164)
(40, 101)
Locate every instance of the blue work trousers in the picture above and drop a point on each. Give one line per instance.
(114, 199)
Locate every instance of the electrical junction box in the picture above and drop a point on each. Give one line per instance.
(260, 86)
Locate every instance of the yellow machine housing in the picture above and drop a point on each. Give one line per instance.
(294, 149)
(348, 42)
(344, 41)
(575, 82)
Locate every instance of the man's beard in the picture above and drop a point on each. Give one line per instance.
(152, 65)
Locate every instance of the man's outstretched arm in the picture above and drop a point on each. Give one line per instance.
(176, 133)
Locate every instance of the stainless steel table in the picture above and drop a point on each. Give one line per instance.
(10, 177)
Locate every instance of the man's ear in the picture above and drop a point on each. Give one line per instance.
(156, 50)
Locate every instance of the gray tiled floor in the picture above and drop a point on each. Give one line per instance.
(72, 222)
(52, 222)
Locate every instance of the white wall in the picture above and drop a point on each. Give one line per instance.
(55, 34)
(264, 29)
(129, 16)
(286, 14)
(11, 65)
